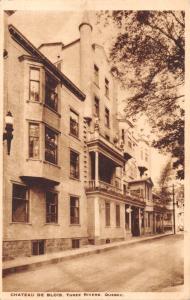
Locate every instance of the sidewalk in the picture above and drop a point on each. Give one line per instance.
(33, 262)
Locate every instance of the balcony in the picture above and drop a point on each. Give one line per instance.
(97, 142)
(103, 186)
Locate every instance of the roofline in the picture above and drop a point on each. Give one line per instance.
(71, 43)
(141, 180)
(100, 46)
(51, 44)
(30, 48)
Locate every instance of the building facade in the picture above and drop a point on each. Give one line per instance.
(74, 175)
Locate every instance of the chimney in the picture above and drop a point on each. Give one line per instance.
(86, 63)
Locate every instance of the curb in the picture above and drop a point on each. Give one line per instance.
(31, 266)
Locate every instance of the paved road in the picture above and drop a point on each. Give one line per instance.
(148, 266)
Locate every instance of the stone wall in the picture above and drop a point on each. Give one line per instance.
(13, 249)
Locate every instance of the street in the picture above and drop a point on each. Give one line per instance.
(155, 265)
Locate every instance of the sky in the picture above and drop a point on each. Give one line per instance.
(60, 26)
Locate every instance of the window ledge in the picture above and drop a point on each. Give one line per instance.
(79, 225)
(33, 159)
(54, 224)
(22, 223)
(74, 136)
(52, 164)
(77, 179)
(47, 106)
(37, 102)
(108, 226)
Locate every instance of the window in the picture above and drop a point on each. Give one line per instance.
(97, 107)
(129, 144)
(126, 216)
(96, 75)
(20, 204)
(74, 123)
(124, 189)
(34, 142)
(117, 215)
(74, 164)
(51, 207)
(74, 210)
(75, 243)
(107, 216)
(146, 156)
(51, 96)
(51, 145)
(34, 89)
(106, 87)
(107, 137)
(38, 247)
(123, 135)
(107, 118)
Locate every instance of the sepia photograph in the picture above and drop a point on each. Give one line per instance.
(93, 152)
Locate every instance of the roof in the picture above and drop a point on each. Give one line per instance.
(94, 45)
(147, 180)
(51, 44)
(31, 49)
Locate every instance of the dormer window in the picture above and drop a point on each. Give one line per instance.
(51, 93)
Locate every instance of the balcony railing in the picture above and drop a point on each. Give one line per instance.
(103, 186)
(106, 187)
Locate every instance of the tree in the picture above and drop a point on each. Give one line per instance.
(148, 58)
(166, 176)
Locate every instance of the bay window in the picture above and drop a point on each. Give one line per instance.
(34, 88)
(51, 91)
(34, 140)
(51, 139)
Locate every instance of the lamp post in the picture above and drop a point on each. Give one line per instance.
(7, 135)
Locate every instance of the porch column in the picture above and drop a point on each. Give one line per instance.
(96, 168)
(162, 222)
(130, 218)
(139, 220)
(121, 180)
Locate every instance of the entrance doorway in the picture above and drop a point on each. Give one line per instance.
(135, 221)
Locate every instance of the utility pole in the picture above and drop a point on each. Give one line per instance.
(173, 197)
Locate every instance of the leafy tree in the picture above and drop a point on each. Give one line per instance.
(148, 58)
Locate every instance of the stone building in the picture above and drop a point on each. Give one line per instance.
(45, 207)
(72, 176)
